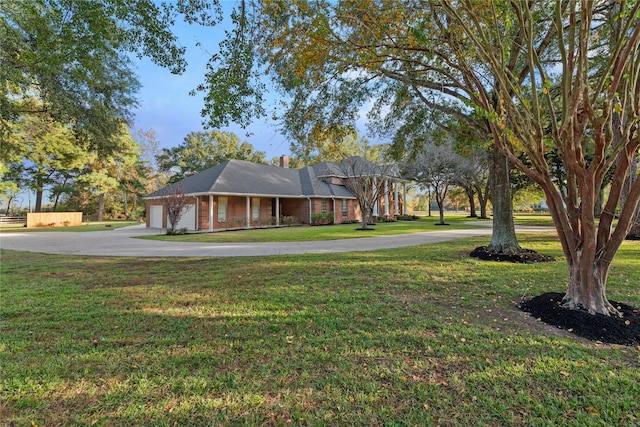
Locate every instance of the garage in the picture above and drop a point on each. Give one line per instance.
(188, 219)
(155, 216)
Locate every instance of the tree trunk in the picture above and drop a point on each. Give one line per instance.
(55, 202)
(503, 239)
(125, 205)
(9, 200)
(588, 284)
(472, 201)
(441, 195)
(39, 193)
(134, 205)
(100, 207)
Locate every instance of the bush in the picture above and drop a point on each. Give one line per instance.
(407, 217)
(289, 220)
(322, 218)
(176, 231)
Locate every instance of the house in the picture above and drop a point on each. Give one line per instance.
(241, 194)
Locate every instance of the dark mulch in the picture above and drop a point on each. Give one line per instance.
(524, 256)
(623, 330)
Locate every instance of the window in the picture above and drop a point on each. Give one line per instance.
(222, 209)
(345, 208)
(324, 205)
(255, 208)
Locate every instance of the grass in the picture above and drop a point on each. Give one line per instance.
(86, 226)
(412, 336)
(332, 232)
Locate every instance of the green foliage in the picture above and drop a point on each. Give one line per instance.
(176, 231)
(233, 87)
(72, 55)
(322, 218)
(202, 150)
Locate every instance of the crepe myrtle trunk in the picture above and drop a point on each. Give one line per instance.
(503, 238)
(588, 267)
(588, 284)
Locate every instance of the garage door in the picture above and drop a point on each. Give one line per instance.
(188, 219)
(155, 217)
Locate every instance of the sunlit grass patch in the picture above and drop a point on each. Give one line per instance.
(412, 336)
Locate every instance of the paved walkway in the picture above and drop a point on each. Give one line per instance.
(120, 242)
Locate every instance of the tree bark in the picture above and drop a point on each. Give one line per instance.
(483, 199)
(472, 201)
(587, 286)
(100, 207)
(39, 193)
(503, 239)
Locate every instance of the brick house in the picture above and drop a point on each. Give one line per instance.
(241, 194)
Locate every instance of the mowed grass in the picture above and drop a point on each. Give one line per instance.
(413, 336)
(86, 226)
(325, 232)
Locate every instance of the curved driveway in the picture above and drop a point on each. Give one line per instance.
(120, 242)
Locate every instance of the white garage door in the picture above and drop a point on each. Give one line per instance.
(155, 217)
(188, 219)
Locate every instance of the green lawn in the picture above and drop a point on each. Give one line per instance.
(324, 232)
(413, 336)
(86, 226)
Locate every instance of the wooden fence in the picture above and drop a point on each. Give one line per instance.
(54, 219)
(13, 219)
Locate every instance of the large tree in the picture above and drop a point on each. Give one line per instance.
(43, 150)
(337, 59)
(437, 167)
(542, 76)
(581, 98)
(72, 56)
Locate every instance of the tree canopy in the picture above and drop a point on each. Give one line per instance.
(536, 76)
(72, 56)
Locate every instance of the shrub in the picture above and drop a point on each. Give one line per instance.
(176, 231)
(407, 217)
(289, 220)
(322, 218)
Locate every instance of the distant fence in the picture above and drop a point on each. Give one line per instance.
(54, 219)
(13, 219)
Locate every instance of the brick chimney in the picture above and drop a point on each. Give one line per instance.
(284, 161)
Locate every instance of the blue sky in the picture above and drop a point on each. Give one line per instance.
(167, 108)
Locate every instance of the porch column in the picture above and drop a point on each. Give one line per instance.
(210, 212)
(404, 198)
(277, 211)
(248, 212)
(386, 198)
(376, 202)
(395, 199)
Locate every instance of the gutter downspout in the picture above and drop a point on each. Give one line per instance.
(310, 209)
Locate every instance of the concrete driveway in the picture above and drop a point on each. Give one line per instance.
(121, 242)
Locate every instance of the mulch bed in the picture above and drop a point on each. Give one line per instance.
(524, 256)
(623, 330)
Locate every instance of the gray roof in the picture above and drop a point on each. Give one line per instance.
(239, 177)
(357, 166)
